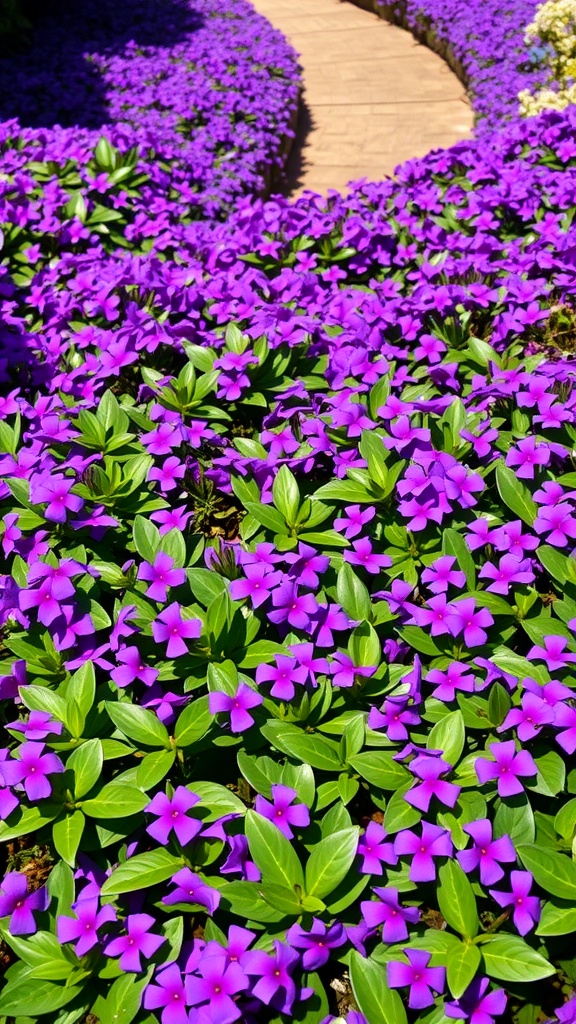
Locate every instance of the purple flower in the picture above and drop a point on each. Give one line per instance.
(161, 575)
(486, 853)
(31, 768)
(440, 575)
(137, 941)
(168, 995)
(552, 653)
(132, 667)
(283, 675)
(363, 555)
(55, 490)
(307, 565)
(257, 584)
(354, 518)
(434, 842)
(417, 977)
(172, 815)
(275, 986)
(237, 706)
(374, 850)
(528, 455)
(447, 681)
(291, 607)
(476, 1004)
(238, 860)
(430, 770)
(394, 715)
(346, 673)
(217, 984)
(526, 911)
(508, 766)
(387, 911)
(83, 929)
(172, 629)
(15, 900)
(529, 719)
(39, 725)
(463, 618)
(282, 811)
(558, 522)
(509, 570)
(191, 889)
(316, 942)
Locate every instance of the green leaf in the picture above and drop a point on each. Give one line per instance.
(205, 585)
(544, 625)
(558, 565)
(305, 747)
(139, 724)
(193, 723)
(28, 820)
(21, 999)
(499, 704)
(554, 872)
(515, 820)
(153, 768)
(218, 798)
(116, 800)
(509, 958)
(557, 918)
(448, 735)
(456, 900)
(551, 778)
(81, 688)
(462, 965)
(352, 594)
(399, 813)
(66, 834)
(380, 769)
(272, 853)
(281, 897)
(245, 901)
(267, 516)
(86, 763)
(147, 539)
(515, 494)
(122, 1002)
(330, 862)
(345, 490)
(142, 872)
(286, 494)
(379, 1003)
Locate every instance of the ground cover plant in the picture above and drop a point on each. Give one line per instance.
(288, 597)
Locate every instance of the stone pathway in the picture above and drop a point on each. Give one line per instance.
(373, 96)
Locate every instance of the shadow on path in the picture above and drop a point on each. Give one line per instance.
(55, 78)
(298, 162)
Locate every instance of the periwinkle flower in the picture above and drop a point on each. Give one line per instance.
(317, 941)
(388, 912)
(526, 912)
(274, 986)
(171, 628)
(18, 903)
(168, 994)
(171, 814)
(418, 977)
(190, 888)
(283, 811)
(508, 767)
(375, 850)
(139, 941)
(236, 705)
(433, 842)
(477, 1005)
(161, 574)
(487, 853)
(216, 985)
(84, 927)
(31, 767)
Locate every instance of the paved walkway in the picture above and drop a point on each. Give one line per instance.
(373, 97)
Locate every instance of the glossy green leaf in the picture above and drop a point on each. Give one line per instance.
(515, 494)
(86, 763)
(510, 958)
(456, 899)
(139, 724)
(462, 965)
(379, 1003)
(66, 835)
(554, 872)
(330, 862)
(141, 872)
(273, 854)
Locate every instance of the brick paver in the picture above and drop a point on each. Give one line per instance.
(373, 96)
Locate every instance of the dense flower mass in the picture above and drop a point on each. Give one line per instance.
(288, 531)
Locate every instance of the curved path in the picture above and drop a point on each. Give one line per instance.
(373, 96)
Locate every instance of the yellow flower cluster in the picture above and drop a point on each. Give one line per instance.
(545, 99)
(554, 26)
